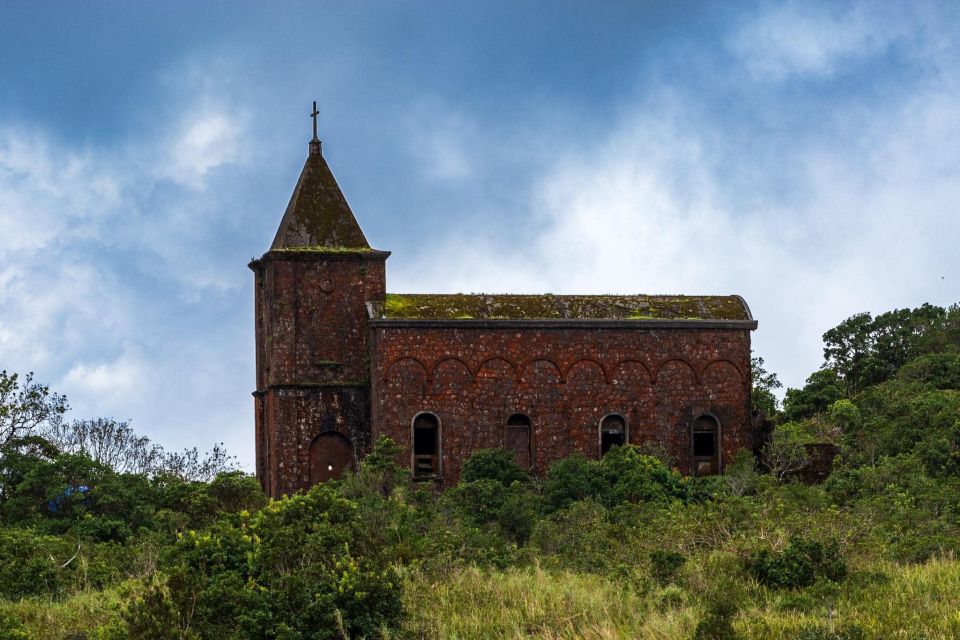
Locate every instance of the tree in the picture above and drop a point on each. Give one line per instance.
(25, 406)
(762, 397)
(107, 441)
(191, 467)
(786, 453)
(866, 350)
(823, 388)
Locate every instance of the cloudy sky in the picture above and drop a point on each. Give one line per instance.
(803, 155)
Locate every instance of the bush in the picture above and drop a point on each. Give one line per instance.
(625, 474)
(11, 629)
(664, 565)
(30, 564)
(290, 571)
(493, 464)
(487, 502)
(800, 564)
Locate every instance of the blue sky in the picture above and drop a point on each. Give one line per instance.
(804, 155)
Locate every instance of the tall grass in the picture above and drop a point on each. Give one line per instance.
(75, 617)
(885, 601)
(534, 603)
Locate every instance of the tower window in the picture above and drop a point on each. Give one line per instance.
(517, 439)
(426, 445)
(613, 432)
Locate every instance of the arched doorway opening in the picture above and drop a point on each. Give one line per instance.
(613, 432)
(705, 445)
(517, 439)
(331, 454)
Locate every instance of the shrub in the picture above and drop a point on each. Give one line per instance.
(289, 571)
(664, 565)
(625, 474)
(571, 479)
(800, 564)
(741, 475)
(11, 628)
(30, 564)
(493, 464)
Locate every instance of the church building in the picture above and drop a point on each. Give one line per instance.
(341, 362)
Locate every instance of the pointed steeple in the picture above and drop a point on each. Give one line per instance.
(318, 215)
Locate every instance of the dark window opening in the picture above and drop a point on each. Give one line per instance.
(613, 432)
(517, 439)
(426, 445)
(704, 445)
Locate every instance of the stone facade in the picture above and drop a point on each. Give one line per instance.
(565, 377)
(340, 362)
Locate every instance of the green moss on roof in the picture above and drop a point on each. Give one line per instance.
(318, 215)
(548, 306)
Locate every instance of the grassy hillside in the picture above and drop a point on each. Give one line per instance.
(622, 547)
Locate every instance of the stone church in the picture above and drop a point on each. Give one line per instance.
(341, 362)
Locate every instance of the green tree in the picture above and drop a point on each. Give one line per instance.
(823, 388)
(762, 396)
(786, 453)
(866, 350)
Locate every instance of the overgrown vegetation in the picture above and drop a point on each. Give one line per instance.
(97, 543)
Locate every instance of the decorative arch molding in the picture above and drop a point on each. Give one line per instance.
(452, 364)
(526, 369)
(721, 361)
(586, 361)
(446, 359)
(664, 363)
(398, 361)
(642, 365)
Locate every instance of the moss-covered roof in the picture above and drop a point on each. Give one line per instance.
(318, 215)
(481, 306)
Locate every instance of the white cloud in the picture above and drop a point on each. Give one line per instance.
(817, 39)
(106, 382)
(872, 225)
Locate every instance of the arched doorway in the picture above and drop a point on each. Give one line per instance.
(426, 445)
(330, 455)
(517, 439)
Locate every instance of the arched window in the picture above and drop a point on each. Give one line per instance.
(426, 445)
(705, 436)
(518, 439)
(613, 432)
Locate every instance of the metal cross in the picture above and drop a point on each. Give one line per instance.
(314, 116)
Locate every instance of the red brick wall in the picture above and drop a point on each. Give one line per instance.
(312, 356)
(565, 379)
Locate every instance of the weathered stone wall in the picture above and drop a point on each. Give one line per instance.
(473, 377)
(312, 356)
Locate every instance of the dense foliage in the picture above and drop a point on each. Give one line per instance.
(92, 547)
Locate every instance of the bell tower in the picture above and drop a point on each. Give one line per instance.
(311, 290)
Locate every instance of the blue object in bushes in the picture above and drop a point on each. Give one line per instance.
(56, 503)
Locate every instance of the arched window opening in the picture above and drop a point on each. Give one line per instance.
(518, 439)
(331, 454)
(705, 435)
(426, 445)
(613, 432)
